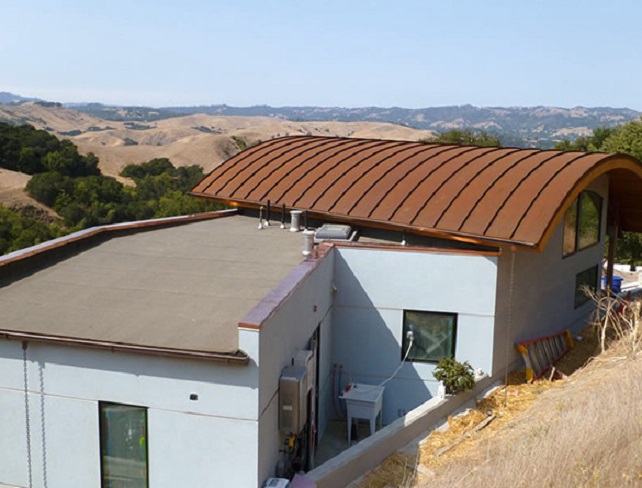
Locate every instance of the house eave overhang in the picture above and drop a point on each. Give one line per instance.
(428, 232)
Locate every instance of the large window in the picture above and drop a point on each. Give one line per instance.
(582, 223)
(123, 446)
(434, 335)
(587, 278)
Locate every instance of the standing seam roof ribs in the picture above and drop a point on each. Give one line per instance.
(459, 189)
(392, 181)
(299, 174)
(295, 152)
(434, 193)
(384, 171)
(208, 185)
(341, 184)
(272, 176)
(316, 183)
(497, 190)
(433, 165)
(488, 195)
(540, 189)
(456, 215)
(506, 224)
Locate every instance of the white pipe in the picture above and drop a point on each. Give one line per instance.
(295, 225)
(308, 242)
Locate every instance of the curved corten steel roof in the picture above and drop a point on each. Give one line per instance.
(501, 196)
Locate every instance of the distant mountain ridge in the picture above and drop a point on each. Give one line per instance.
(523, 126)
(7, 98)
(517, 126)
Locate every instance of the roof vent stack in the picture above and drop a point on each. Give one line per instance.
(295, 225)
(308, 242)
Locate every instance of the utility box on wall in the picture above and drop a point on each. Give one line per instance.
(293, 399)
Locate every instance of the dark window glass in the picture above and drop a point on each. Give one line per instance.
(582, 223)
(587, 278)
(590, 212)
(570, 229)
(434, 335)
(123, 446)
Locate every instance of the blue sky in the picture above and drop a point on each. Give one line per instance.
(346, 53)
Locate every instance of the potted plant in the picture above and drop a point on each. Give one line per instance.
(455, 376)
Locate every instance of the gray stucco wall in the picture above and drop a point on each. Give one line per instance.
(374, 287)
(542, 300)
(185, 438)
(308, 306)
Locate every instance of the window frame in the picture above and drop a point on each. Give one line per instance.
(579, 297)
(452, 333)
(102, 438)
(577, 204)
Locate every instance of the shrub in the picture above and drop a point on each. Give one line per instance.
(455, 376)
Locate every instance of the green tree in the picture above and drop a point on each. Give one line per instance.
(18, 232)
(47, 187)
(153, 167)
(465, 138)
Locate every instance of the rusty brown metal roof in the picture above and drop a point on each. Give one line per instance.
(505, 196)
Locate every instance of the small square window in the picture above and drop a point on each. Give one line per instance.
(588, 278)
(434, 335)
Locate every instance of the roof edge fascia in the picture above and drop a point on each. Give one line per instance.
(104, 229)
(239, 357)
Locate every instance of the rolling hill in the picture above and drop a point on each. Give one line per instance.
(206, 140)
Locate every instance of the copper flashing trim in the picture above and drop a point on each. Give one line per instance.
(488, 196)
(239, 357)
(94, 231)
(266, 308)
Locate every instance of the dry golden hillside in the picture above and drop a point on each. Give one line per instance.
(12, 194)
(200, 139)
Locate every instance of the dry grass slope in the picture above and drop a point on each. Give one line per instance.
(587, 432)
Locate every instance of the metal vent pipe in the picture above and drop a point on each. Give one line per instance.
(308, 242)
(295, 224)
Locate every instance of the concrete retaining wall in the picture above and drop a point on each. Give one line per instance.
(369, 453)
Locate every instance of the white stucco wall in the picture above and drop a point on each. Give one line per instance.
(186, 438)
(543, 297)
(288, 329)
(374, 287)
